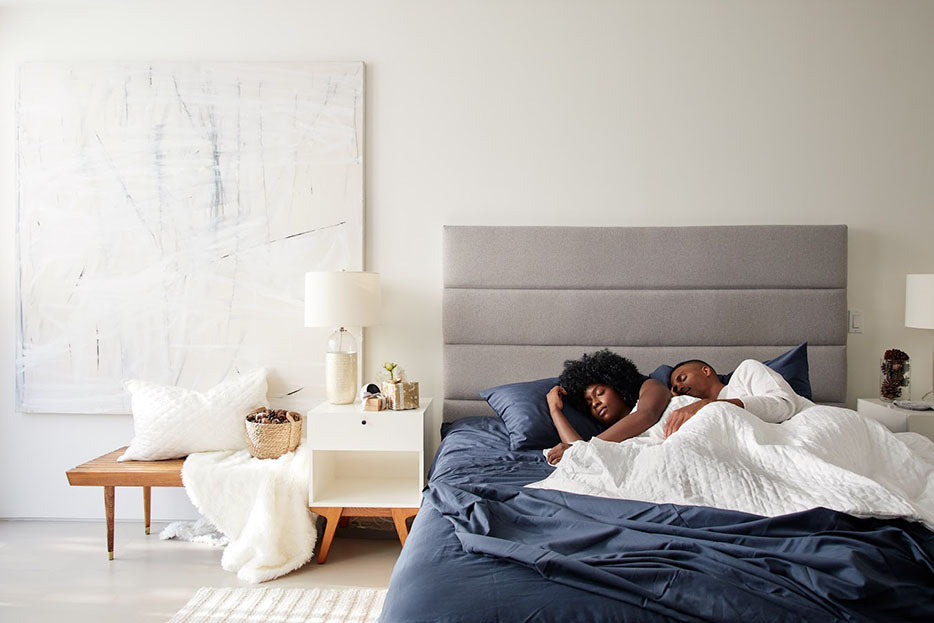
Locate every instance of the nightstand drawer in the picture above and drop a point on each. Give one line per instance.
(384, 430)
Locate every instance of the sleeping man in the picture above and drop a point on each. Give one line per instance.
(753, 386)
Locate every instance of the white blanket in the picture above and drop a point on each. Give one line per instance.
(727, 458)
(261, 505)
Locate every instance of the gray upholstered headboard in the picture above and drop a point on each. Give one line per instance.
(518, 301)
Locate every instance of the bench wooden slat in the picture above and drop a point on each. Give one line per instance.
(106, 471)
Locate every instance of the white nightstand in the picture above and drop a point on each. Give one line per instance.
(365, 464)
(896, 419)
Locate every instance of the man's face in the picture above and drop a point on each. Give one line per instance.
(691, 379)
(605, 404)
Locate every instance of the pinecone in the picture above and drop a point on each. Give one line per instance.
(891, 388)
(893, 354)
(264, 415)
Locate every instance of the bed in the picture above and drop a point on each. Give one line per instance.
(518, 301)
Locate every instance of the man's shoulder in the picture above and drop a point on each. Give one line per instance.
(748, 366)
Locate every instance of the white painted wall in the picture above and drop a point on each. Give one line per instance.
(548, 112)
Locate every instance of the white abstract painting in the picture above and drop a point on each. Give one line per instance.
(167, 215)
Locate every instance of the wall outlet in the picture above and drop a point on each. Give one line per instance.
(854, 321)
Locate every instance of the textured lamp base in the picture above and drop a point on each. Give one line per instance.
(340, 377)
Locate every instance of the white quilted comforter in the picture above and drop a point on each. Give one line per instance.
(727, 458)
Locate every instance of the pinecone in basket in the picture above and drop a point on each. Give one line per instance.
(265, 415)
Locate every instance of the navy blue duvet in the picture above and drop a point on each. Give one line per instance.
(485, 549)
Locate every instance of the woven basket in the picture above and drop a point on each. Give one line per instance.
(270, 441)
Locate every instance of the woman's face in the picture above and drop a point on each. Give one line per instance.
(605, 403)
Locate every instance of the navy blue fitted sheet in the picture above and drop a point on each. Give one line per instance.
(484, 548)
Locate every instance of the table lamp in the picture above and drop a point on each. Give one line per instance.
(919, 308)
(341, 299)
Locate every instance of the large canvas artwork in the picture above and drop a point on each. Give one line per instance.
(167, 215)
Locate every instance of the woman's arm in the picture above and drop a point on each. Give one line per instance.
(566, 432)
(653, 398)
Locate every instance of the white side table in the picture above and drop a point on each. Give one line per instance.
(365, 464)
(896, 419)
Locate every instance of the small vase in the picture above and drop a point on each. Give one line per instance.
(894, 376)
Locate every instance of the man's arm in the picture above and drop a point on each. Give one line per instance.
(653, 398)
(762, 392)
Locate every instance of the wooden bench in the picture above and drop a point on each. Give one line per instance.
(106, 472)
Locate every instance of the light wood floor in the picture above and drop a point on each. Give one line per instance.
(58, 571)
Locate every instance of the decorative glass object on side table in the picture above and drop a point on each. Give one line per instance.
(895, 375)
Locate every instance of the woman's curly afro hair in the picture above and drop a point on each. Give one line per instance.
(603, 367)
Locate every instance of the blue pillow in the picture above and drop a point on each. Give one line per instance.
(662, 374)
(793, 366)
(524, 409)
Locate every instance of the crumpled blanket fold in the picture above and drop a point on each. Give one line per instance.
(200, 531)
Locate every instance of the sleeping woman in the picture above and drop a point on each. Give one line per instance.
(609, 387)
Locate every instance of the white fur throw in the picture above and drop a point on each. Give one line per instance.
(172, 422)
(260, 504)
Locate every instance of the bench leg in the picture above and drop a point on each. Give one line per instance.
(147, 498)
(109, 514)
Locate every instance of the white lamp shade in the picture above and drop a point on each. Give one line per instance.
(919, 301)
(344, 299)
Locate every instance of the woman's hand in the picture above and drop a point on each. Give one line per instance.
(682, 415)
(556, 398)
(554, 455)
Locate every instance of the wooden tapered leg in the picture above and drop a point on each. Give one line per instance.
(109, 514)
(147, 497)
(399, 515)
(331, 516)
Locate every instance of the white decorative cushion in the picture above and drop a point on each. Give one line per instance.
(171, 422)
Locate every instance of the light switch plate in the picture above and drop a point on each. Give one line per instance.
(854, 321)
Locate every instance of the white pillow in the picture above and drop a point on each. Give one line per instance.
(171, 422)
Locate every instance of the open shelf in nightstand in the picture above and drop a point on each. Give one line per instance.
(378, 479)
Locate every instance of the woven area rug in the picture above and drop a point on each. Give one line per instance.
(283, 605)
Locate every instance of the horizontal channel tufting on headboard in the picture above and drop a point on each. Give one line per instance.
(519, 301)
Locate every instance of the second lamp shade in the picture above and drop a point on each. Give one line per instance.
(919, 301)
